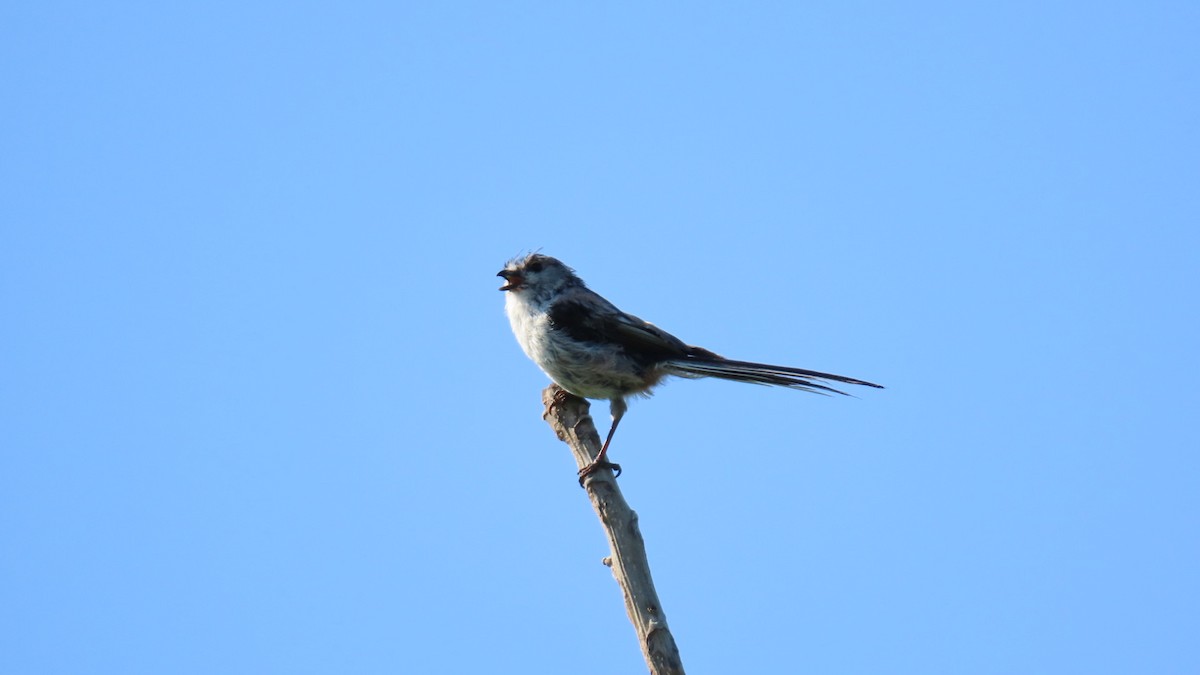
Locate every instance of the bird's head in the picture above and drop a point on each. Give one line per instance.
(537, 273)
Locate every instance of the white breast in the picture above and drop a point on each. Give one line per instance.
(530, 324)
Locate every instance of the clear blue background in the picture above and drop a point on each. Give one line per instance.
(262, 411)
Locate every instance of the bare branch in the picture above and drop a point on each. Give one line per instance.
(568, 417)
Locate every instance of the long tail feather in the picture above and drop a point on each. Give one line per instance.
(761, 373)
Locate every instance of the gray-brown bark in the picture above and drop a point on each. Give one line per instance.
(571, 422)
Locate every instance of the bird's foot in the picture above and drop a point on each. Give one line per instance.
(560, 397)
(596, 466)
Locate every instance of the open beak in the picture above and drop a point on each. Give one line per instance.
(512, 280)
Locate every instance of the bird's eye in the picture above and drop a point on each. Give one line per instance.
(534, 266)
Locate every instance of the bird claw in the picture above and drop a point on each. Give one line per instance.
(560, 397)
(596, 466)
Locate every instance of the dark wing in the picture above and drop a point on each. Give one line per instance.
(590, 318)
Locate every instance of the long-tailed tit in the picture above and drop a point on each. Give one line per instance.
(594, 350)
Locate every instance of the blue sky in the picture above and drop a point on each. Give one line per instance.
(262, 411)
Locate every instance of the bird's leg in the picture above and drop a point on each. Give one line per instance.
(617, 407)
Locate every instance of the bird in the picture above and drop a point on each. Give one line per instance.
(593, 350)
